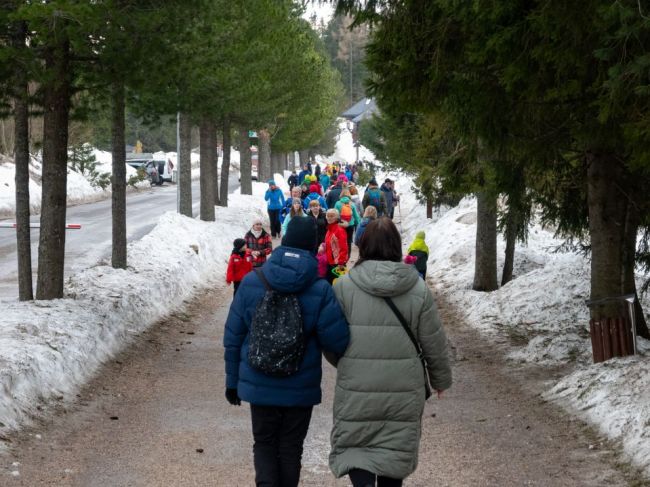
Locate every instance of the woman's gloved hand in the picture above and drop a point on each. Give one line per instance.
(232, 397)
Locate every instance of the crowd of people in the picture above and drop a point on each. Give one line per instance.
(376, 322)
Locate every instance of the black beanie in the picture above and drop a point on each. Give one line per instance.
(238, 244)
(301, 234)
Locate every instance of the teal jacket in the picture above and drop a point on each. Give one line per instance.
(379, 395)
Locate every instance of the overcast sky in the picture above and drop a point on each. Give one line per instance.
(322, 11)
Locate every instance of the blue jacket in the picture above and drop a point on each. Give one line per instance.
(275, 199)
(360, 229)
(295, 271)
(324, 181)
(314, 196)
(302, 174)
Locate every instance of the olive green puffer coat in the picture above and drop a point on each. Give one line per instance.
(379, 395)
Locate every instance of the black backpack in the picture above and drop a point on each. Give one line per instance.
(276, 344)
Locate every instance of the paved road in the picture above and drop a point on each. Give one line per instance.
(156, 416)
(92, 243)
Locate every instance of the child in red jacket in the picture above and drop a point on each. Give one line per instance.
(239, 264)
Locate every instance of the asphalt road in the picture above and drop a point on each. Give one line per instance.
(92, 243)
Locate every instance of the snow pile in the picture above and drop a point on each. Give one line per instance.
(543, 314)
(8, 190)
(48, 349)
(79, 188)
(345, 151)
(615, 396)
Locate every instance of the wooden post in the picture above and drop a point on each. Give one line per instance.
(596, 340)
(606, 337)
(613, 333)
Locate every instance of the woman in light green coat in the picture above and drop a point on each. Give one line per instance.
(380, 384)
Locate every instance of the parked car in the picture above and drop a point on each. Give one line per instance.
(138, 160)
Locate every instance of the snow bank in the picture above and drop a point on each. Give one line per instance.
(79, 189)
(345, 151)
(542, 313)
(48, 349)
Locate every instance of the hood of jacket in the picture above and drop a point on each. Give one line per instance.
(419, 243)
(290, 270)
(344, 199)
(384, 278)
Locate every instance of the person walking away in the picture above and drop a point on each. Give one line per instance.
(317, 171)
(239, 264)
(275, 202)
(349, 216)
(314, 195)
(336, 245)
(420, 251)
(297, 211)
(334, 193)
(354, 196)
(293, 180)
(315, 187)
(301, 175)
(281, 405)
(373, 196)
(387, 189)
(378, 415)
(369, 215)
(258, 243)
(318, 215)
(324, 180)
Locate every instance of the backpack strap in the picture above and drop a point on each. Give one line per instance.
(416, 344)
(260, 274)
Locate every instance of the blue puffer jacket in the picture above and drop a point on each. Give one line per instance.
(292, 271)
(274, 198)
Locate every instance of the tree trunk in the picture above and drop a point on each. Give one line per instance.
(511, 240)
(291, 164)
(246, 185)
(56, 108)
(118, 181)
(21, 159)
(184, 161)
(607, 214)
(485, 269)
(208, 134)
(215, 168)
(304, 157)
(276, 164)
(429, 208)
(225, 164)
(265, 163)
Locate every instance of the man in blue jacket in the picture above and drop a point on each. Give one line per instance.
(275, 201)
(281, 407)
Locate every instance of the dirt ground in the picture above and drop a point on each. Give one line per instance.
(157, 416)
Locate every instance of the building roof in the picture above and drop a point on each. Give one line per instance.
(360, 108)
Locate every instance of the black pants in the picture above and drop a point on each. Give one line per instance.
(363, 478)
(350, 233)
(279, 433)
(274, 219)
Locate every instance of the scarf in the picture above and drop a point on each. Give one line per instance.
(257, 234)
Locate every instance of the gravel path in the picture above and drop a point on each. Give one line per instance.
(156, 416)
